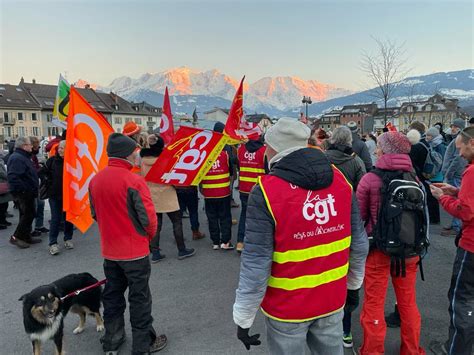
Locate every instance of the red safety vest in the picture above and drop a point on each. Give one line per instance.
(252, 165)
(216, 184)
(311, 249)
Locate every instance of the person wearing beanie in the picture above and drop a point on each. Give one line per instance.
(393, 150)
(165, 200)
(359, 147)
(452, 170)
(121, 204)
(289, 215)
(217, 191)
(471, 122)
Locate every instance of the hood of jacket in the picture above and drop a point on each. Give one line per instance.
(307, 168)
(253, 145)
(394, 162)
(339, 154)
(437, 141)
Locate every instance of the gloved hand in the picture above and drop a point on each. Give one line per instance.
(244, 337)
(352, 301)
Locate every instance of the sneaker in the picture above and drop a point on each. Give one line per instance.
(347, 340)
(159, 343)
(215, 247)
(18, 242)
(36, 233)
(156, 256)
(185, 215)
(240, 247)
(5, 223)
(438, 348)
(54, 249)
(227, 246)
(186, 253)
(234, 221)
(198, 235)
(393, 319)
(3, 226)
(69, 244)
(42, 230)
(448, 233)
(234, 204)
(33, 240)
(8, 215)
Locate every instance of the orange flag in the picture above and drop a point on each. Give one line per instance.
(236, 127)
(85, 155)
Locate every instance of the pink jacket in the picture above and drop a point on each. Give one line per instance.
(368, 190)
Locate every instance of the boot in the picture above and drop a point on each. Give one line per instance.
(198, 235)
(114, 336)
(393, 319)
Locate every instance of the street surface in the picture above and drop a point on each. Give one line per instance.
(192, 298)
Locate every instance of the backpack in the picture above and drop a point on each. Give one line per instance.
(401, 230)
(433, 163)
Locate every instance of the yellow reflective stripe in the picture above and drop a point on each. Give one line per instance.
(216, 177)
(308, 281)
(216, 186)
(248, 179)
(300, 320)
(311, 253)
(252, 170)
(266, 199)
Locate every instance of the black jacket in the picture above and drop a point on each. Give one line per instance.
(22, 176)
(348, 162)
(360, 148)
(53, 175)
(418, 154)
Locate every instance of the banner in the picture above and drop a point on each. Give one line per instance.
(61, 104)
(188, 158)
(166, 125)
(236, 127)
(85, 155)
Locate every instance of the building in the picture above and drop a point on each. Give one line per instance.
(216, 114)
(330, 120)
(26, 109)
(358, 114)
(263, 121)
(435, 109)
(376, 122)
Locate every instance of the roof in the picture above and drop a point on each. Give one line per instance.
(256, 118)
(15, 96)
(215, 109)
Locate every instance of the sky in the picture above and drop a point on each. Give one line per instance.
(319, 40)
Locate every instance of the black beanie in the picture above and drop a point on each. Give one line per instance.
(219, 127)
(120, 146)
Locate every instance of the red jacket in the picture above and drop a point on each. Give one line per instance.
(462, 207)
(122, 206)
(368, 190)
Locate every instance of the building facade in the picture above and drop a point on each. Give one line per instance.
(216, 114)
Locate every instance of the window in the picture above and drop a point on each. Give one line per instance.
(8, 131)
(118, 120)
(33, 116)
(150, 119)
(20, 116)
(50, 103)
(21, 131)
(19, 89)
(6, 117)
(49, 117)
(138, 120)
(128, 119)
(53, 131)
(36, 131)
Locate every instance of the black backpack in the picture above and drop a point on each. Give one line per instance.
(402, 225)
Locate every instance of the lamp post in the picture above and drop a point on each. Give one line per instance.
(307, 101)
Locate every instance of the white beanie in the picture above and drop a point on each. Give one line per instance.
(287, 133)
(413, 136)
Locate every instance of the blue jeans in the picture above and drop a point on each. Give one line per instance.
(39, 219)
(456, 224)
(57, 216)
(244, 198)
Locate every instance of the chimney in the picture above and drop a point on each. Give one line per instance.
(34, 81)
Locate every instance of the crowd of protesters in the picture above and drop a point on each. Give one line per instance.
(290, 164)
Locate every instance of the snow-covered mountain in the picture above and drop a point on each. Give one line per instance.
(274, 94)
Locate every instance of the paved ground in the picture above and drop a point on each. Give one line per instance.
(192, 298)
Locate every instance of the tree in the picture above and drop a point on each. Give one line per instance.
(386, 68)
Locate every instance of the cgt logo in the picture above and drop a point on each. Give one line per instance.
(249, 156)
(216, 165)
(319, 209)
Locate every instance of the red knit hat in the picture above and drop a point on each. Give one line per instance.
(130, 129)
(394, 143)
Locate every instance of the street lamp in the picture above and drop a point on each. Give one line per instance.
(307, 101)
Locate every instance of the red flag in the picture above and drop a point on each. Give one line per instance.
(166, 125)
(236, 127)
(84, 157)
(391, 127)
(188, 158)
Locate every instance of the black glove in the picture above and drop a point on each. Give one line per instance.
(244, 337)
(352, 301)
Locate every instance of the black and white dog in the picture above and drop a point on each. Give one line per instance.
(44, 311)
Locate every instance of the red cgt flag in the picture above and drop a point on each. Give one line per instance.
(166, 125)
(188, 158)
(85, 155)
(236, 127)
(391, 127)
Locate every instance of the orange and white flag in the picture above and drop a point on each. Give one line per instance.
(85, 155)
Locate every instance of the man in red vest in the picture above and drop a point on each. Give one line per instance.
(215, 187)
(251, 165)
(301, 232)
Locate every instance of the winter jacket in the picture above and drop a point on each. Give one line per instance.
(359, 147)
(372, 146)
(462, 207)
(348, 162)
(418, 154)
(122, 206)
(52, 174)
(368, 191)
(453, 163)
(22, 176)
(3, 179)
(310, 169)
(437, 144)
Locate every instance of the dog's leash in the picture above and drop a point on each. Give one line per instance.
(77, 292)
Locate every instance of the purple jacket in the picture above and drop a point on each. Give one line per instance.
(368, 190)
